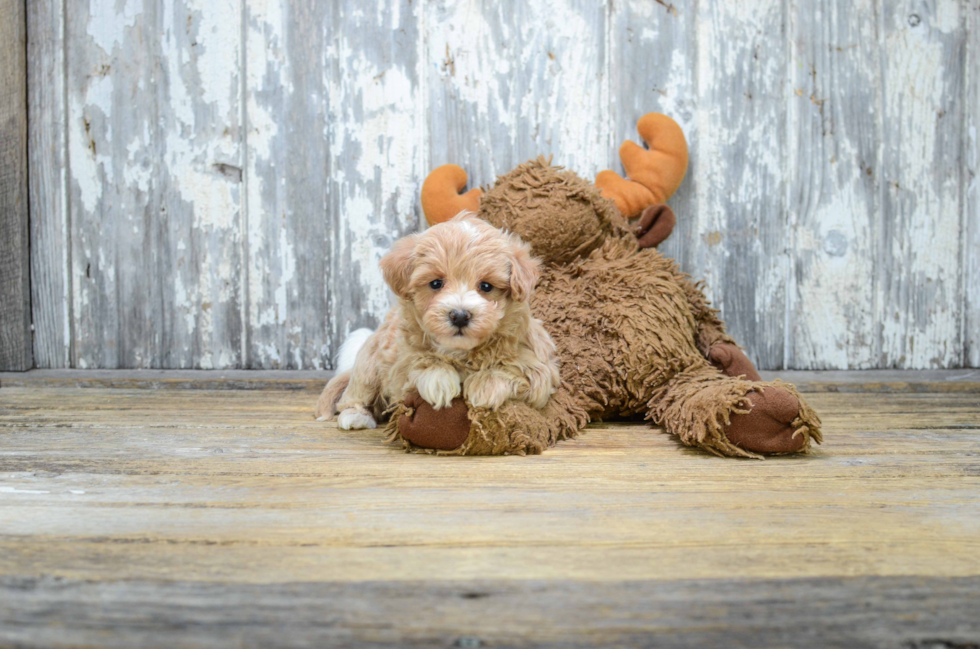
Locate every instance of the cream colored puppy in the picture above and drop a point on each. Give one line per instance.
(462, 325)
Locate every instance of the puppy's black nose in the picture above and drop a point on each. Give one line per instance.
(459, 318)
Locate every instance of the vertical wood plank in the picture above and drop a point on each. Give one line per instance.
(971, 186)
(333, 170)
(508, 81)
(50, 238)
(741, 185)
(919, 304)
(376, 137)
(15, 290)
(829, 238)
(653, 68)
(287, 297)
(833, 172)
(155, 158)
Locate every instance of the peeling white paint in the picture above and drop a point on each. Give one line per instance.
(741, 181)
(833, 196)
(153, 154)
(109, 33)
(920, 319)
(528, 78)
(90, 164)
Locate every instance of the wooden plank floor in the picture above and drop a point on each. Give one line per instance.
(229, 517)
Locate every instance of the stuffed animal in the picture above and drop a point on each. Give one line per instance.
(635, 336)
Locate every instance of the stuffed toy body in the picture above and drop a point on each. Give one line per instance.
(635, 336)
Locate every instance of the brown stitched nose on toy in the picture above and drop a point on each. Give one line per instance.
(459, 318)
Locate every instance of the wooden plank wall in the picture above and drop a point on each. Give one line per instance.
(15, 296)
(212, 184)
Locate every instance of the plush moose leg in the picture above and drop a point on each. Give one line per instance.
(732, 416)
(768, 427)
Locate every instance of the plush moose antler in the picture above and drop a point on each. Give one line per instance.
(654, 174)
(441, 198)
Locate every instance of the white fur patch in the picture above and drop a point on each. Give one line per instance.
(438, 386)
(469, 301)
(348, 351)
(469, 229)
(354, 419)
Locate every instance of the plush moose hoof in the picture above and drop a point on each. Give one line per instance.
(441, 430)
(768, 428)
(732, 361)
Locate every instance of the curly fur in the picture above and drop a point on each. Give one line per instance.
(500, 353)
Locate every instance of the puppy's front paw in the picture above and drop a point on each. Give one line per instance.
(355, 419)
(540, 392)
(487, 390)
(438, 386)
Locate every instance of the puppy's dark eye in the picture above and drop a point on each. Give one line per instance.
(486, 287)
(435, 284)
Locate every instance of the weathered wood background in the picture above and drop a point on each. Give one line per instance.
(15, 303)
(213, 182)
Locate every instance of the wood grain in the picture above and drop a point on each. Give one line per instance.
(147, 484)
(154, 149)
(850, 612)
(287, 302)
(919, 309)
(971, 187)
(654, 68)
(509, 81)
(834, 151)
(742, 54)
(333, 173)
(208, 518)
(831, 202)
(51, 279)
(853, 381)
(15, 290)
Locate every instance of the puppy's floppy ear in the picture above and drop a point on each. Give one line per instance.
(523, 272)
(398, 264)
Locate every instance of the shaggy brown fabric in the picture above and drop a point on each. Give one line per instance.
(574, 219)
(633, 333)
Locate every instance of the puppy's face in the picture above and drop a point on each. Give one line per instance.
(462, 279)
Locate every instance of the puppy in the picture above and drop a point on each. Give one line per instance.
(462, 324)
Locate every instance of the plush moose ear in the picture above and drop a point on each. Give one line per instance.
(398, 264)
(523, 272)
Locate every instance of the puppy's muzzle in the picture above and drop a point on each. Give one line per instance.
(459, 318)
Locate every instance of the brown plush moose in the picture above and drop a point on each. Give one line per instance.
(635, 336)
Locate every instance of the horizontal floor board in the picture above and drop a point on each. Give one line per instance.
(840, 611)
(194, 515)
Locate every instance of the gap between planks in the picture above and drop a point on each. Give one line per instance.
(860, 381)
